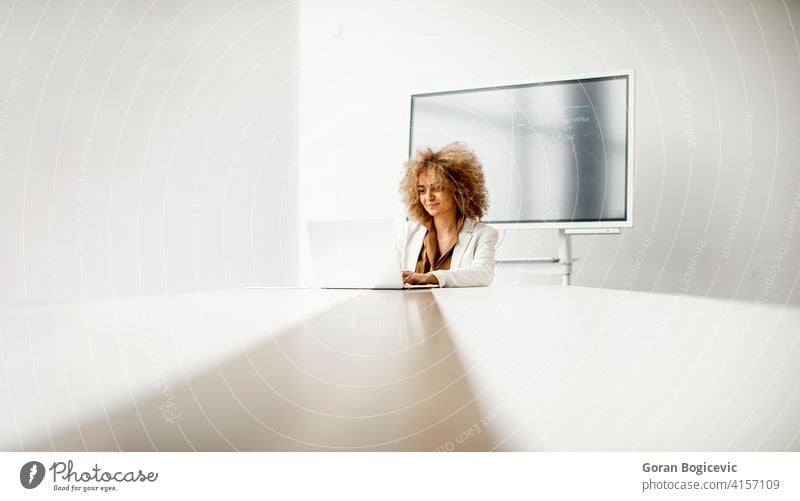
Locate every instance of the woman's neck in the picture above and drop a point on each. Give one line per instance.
(446, 224)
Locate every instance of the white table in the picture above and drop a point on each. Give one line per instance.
(499, 368)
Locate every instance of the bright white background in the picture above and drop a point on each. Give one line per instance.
(173, 146)
(146, 147)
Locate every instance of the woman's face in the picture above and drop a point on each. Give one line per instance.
(436, 198)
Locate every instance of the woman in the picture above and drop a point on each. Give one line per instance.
(444, 244)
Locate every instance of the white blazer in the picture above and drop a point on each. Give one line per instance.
(472, 264)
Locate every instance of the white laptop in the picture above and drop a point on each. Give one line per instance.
(361, 254)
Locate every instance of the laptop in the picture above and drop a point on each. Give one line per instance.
(359, 254)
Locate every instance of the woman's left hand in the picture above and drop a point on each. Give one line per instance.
(411, 278)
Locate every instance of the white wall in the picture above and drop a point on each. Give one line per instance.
(146, 147)
(717, 182)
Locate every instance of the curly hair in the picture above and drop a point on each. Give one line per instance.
(455, 166)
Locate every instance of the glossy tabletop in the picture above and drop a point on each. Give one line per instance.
(498, 368)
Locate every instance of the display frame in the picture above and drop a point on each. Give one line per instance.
(628, 75)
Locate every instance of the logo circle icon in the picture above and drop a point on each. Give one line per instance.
(31, 474)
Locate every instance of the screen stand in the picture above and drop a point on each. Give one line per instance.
(565, 255)
(564, 258)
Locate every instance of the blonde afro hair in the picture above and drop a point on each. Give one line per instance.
(456, 167)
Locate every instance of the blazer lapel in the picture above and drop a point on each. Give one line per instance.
(464, 237)
(414, 247)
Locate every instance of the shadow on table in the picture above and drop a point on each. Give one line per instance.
(378, 372)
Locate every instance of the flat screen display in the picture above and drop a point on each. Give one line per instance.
(554, 153)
